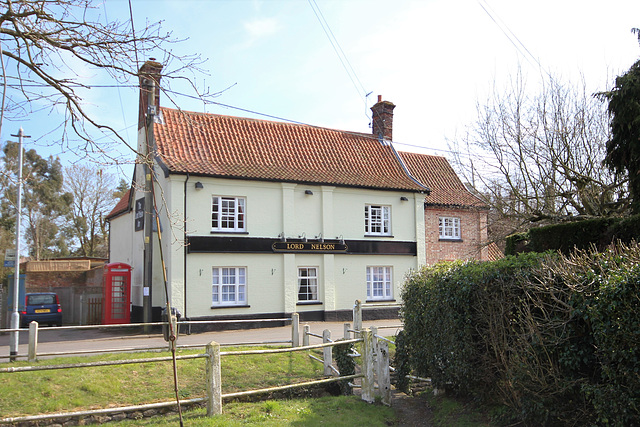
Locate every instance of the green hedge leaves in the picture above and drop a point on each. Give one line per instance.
(555, 338)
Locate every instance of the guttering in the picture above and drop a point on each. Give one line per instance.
(426, 190)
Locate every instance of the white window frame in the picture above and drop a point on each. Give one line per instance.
(311, 285)
(379, 282)
(377, 220)
(228, 213)
(228, 286)
(449, 228)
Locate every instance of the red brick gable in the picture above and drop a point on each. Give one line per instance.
(436, 173)
(234, 147)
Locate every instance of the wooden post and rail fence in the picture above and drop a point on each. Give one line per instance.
(374, 375)
(213, 358)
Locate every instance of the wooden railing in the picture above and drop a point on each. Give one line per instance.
(34, 331)
(214, 396)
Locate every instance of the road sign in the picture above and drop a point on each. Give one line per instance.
(10, 258)
(10, 255)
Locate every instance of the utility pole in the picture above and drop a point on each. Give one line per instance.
(147, 300)
(15, 316)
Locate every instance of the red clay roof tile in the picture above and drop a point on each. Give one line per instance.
(122, 206)
(436, 173)
(234, 147)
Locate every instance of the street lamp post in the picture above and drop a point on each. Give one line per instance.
(15, 316)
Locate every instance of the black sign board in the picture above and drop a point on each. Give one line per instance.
(318, 247)
(139, 220)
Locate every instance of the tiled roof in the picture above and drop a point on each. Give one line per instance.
(233, 147)
(122, 206)
(436, 173)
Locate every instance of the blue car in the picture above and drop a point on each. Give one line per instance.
(43, 307)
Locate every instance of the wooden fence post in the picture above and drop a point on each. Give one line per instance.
(295, 330)
(305, 335)
(357, 316)
(384, 378)
(347, 334)
(367, 366)
(214, 380)
(33, 341)
(374, 332)
(327, 353)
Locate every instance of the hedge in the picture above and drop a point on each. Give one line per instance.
(566, 237)
(554, 338)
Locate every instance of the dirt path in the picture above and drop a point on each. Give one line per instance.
(412, 411)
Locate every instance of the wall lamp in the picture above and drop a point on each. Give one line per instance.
(199, 185)
(404, 199)
(308, 192)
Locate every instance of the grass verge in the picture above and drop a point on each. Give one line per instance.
(329, 410)
(64, 390)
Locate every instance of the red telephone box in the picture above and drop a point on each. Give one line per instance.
(116, 300)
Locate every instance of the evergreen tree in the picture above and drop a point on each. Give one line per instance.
(623, 149)
(44, 202)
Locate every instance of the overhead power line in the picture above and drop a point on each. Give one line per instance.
(362, 92)
(515, 41)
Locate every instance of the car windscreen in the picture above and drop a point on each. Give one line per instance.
(41, 299)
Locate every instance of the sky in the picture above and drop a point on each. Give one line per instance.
(434, 59)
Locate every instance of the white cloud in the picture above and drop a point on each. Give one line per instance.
(258, 29)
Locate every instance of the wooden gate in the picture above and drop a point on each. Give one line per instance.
(94, 311)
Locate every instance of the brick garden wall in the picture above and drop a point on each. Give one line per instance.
(46, 281)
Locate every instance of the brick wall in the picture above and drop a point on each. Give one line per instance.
(473, 233)
(46, 281)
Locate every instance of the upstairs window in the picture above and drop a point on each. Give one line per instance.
(449, 228)
(228, 214)
(377, 220)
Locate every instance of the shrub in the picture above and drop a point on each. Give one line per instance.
(446, 328)
(555, 338)
(571, 235)
(402, 364)
(614, 315)
(517, 243)
(581, 235)
(343, 354)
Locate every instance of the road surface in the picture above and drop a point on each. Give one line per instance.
(52, 341)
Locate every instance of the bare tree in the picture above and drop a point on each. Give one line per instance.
(93, 193)
(538, 158)
(45, 42)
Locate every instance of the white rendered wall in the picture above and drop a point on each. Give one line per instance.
(273, 208)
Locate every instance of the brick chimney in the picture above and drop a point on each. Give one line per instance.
(149, 70)
(382, 125)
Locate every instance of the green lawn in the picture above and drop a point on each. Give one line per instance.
(68, 390)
